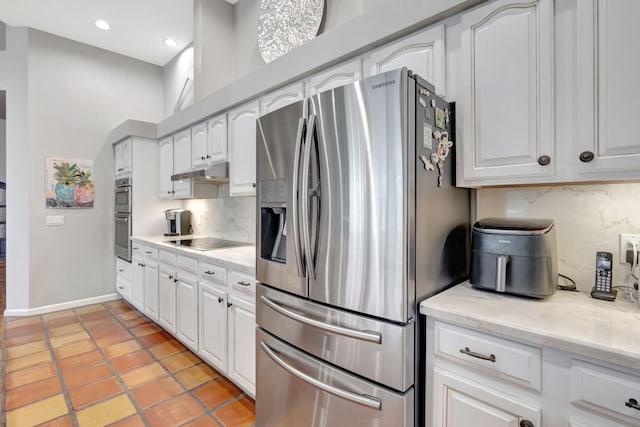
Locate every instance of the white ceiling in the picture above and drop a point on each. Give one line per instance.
(138, 27)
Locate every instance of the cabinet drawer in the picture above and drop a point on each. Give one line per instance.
(137, 248)
(512, 361)
(151, 253)
(606, 391)
(242, 282)
(187, 264)
(213, 272)
(123, 269)
(168, 258)
(123, 288)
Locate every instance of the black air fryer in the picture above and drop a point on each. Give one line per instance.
(514, 256)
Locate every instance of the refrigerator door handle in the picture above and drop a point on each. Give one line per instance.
(296, 198)
(374, 337)
(361, 399)
(305, 196)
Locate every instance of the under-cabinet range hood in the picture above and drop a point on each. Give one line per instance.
(217, 173)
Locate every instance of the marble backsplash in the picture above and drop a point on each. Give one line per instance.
(230, 218)
(588, 218)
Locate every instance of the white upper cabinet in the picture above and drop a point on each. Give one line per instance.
(217, 139)
(199, 145)
(123, 157)
(182, 151)
(421, 52)
(165, 156)
(281, 97)
(608, 128)
(505, 105)
(242, 146)
(343, 74)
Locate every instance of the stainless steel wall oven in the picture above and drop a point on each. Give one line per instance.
(122, 219)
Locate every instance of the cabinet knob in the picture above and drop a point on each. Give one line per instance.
(587, 156)
(175, 280)
(253, 185)
(526, 423)
(220, 299)
(208, 156)
(544, 160)
(168, 191)
(170, 277)
(202, 157)
(229, 304)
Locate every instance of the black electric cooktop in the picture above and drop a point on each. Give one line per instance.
(206, 243)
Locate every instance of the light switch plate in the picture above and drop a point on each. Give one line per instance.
(55, 220)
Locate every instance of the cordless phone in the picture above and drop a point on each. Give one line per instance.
(603, 288)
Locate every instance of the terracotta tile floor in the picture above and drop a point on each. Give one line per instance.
(107, 364)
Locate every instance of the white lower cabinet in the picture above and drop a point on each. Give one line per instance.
(137, 283)
(476, 378)
(242, 343)
(187, 310)
(212, 305)
(227, 326)
(459, 402)
(151, 289)
(167, 299)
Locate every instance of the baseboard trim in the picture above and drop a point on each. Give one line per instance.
(57, 307)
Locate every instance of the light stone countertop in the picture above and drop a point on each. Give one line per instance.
(242, 258)
(569, 321)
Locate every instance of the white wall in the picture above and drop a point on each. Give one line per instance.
(13, 79)
(588, 218)
(3, 149)
(76, 95)
(174, 75)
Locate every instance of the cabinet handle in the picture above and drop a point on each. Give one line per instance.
(135, 248)
(229, 304)
(468, 352)
(526, 423)
(121, 271)
(544, 160)
(220, 299)
(244, 283)
(140, 265)
(632, 403)
(210, 273)
(587, 156)
(148, 252)
(120, 287)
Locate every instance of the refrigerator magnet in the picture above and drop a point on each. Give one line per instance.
(440, 118)
(427, 140)
(422, 102)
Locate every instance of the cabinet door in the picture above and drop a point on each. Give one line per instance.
(281, 97)
(459, 403)
(343, 74)
(187, 303)
(609, 90)
(242, 343)
(118, 159)
(505, 109)
(167, 299)
(199, 145)
(217, 139)
(242, 143)
(212, 309)
(165, 156)
(137, 283)
(182, 151)
(151, 290)
(422, 53)
(123, 157)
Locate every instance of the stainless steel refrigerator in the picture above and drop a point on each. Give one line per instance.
(358, 221)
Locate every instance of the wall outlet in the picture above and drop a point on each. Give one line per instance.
(625, 246)
(55, 220)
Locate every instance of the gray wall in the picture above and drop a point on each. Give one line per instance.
(76, 95)
(175, 74)
(3, 150)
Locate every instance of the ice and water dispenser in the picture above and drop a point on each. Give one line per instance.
(273, 220)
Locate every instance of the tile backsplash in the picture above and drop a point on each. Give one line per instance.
(588, 218)
(230, 218)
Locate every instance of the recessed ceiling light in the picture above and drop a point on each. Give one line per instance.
(103, 25)
(170, 42)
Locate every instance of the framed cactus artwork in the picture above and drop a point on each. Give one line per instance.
(68, 183)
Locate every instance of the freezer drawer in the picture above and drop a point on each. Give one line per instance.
(312, 393)
(375, 349)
